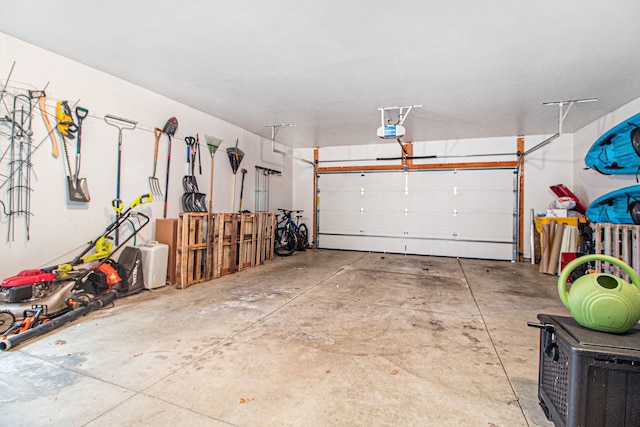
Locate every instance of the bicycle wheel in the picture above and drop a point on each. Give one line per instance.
(285, 241)
(303, 237)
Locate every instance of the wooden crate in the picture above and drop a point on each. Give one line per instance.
(195, 249)
(247, 241)
(167, 233)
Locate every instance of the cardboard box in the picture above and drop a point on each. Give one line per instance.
(167, 233)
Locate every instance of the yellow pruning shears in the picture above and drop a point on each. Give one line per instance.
(66, 125)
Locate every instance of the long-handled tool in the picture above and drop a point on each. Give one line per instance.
(43, 109)
(121, 124)
(170, 129)
(189, 180)
(212, 143)
(154, 183)
(199, 157)
(192, 199)
(235, 157)
(78, 190)
(244, 171)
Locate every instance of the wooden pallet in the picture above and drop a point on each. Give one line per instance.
(195, 249)
(247, 241)
(226, 246)
(620, 241)
(265, 236)
(212, 245)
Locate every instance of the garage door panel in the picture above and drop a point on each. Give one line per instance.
(431, 212)
(460, 249)
(362, 243)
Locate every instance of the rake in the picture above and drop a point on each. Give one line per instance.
(121, 124)
(212, 143)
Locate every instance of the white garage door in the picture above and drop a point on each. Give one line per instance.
(464, 213)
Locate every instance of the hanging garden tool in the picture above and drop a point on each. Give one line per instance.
(66, 127)
(170, 129)
(42, 97)
(121, 124)
(78, 190)
(192, 199)
(244, 172)
(235, 157)
(189, 180)
(199, 157)
(212, 144)
(154, 183)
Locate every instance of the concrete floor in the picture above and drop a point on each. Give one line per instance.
(317, 339)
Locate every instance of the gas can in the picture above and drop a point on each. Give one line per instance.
(155, 257)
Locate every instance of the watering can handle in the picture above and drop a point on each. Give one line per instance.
(568, 269)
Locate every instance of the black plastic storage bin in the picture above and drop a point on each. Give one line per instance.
(588, 378)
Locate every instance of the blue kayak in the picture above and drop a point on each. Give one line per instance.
(621, 206)
(618, 150)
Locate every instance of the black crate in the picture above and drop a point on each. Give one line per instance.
(588, 378)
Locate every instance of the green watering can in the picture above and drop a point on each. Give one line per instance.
(601, 301)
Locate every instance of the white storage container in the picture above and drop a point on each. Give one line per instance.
(155, 256)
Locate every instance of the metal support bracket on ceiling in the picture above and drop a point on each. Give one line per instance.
(391, 130)
(562, 114)
(402, 114)
(274, 132)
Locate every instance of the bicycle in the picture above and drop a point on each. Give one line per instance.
(290, 236)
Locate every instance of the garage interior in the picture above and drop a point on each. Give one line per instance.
(412, 302)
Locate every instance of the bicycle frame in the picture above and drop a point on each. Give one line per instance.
(287, 221)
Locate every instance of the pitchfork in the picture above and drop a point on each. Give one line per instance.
(154, 183)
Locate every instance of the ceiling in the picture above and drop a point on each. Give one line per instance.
(478, 68)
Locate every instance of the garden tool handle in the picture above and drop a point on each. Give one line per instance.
(158, 133)
(81, 114)
(117, 205)
(141, 200)
(568, 269)
(54, 142)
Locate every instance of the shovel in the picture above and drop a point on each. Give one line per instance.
(154, 183)
(189, 182)
(235, 157)
(78, 190)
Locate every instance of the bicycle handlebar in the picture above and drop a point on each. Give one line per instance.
(288, 212)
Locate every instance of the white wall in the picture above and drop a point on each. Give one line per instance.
(550, 165)
(59, 229)
(590, 184)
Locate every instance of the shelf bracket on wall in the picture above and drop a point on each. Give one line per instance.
(274, 132)
(562, 114)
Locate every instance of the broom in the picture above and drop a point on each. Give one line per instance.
(212, 143)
